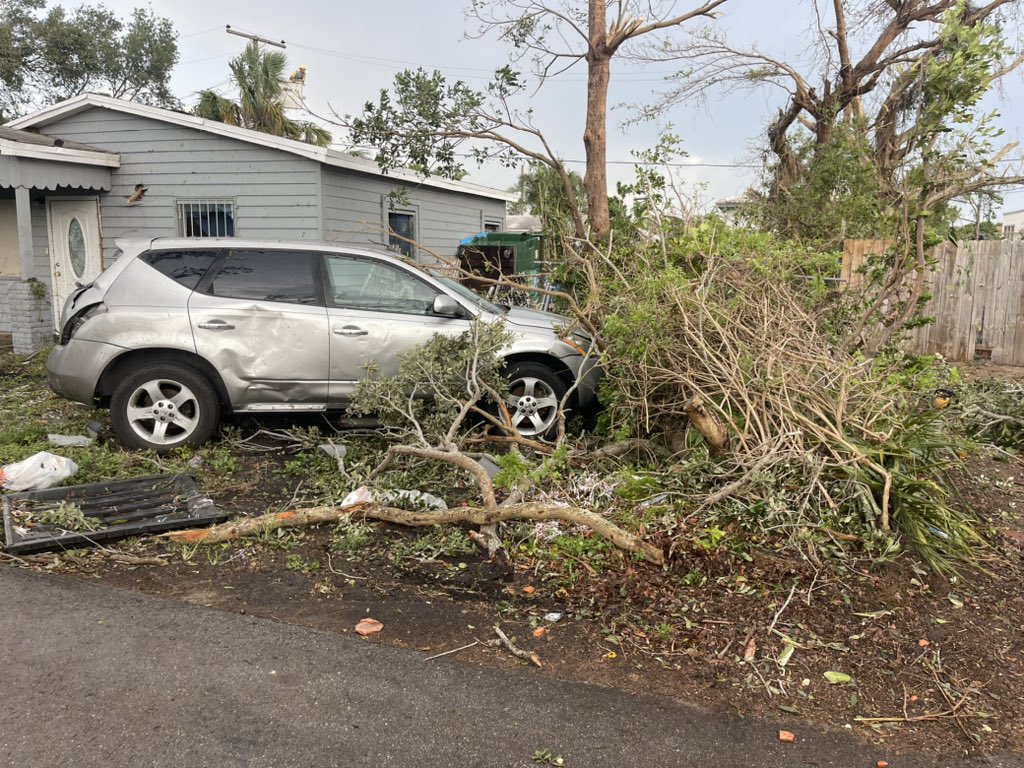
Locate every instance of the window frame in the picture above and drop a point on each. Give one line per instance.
(319, 289)
(402, 210)
(179, 214)
(329, 297)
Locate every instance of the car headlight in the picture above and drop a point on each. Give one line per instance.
(78, 319)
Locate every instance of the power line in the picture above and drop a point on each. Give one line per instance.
(200, 32)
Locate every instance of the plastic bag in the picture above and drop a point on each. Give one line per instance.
(37, 472)
(417, 499)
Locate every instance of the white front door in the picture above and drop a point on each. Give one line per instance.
(76, 257)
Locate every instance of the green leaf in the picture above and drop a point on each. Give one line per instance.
(786, 654)
(838, 678)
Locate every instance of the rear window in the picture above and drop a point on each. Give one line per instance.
(183, 267)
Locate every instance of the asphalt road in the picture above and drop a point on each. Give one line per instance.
(96, 676)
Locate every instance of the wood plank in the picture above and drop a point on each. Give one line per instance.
(1011, 352)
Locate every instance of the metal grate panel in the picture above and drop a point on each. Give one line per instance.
(123, 508)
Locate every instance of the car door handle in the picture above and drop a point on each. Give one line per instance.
(217, 325)
(351, 331)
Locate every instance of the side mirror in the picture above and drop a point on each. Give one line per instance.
(447, 306)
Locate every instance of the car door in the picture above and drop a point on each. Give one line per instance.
(259, 318)
(376, 310)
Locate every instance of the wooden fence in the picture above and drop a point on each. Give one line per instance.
(977, 299)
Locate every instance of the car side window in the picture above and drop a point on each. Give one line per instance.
(285, 276)
(183, 267)
(355, 283)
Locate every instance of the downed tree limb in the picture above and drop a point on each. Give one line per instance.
(234, 529)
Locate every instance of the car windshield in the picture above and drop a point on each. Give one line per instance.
(477, 299)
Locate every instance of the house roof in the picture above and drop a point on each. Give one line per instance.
(330, 157)
(37, 146)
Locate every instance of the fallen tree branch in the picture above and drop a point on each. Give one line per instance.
(996, 418)
(516, 651)
(234, 529)
(453, 650)
(14, 558)
(125, 559)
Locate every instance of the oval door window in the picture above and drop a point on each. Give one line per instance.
(76, 247)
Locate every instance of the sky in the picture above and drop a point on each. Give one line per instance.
(353, 49)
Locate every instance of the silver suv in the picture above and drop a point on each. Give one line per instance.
(177, 332)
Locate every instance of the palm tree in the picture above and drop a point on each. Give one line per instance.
(542, 193)
(260, 78)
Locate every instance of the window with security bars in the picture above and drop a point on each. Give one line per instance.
(206, 218)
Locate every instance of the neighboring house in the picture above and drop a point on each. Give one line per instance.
(1013, 225)
(729, 209)
(71, 178)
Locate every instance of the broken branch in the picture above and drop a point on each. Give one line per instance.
(469, 515)
(516, 651)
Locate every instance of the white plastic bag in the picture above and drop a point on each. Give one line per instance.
(37, 472)
(417, 499)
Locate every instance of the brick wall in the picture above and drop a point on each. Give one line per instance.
(35, 327)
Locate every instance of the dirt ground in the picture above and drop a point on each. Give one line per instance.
(892, 651)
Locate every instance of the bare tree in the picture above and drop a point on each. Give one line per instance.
(558, 34)
(867, 62)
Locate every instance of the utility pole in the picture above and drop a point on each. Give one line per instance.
(254, 38)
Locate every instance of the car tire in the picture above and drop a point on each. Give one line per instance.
(536, 391)
(164, 406)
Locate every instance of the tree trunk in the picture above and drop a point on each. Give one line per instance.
(595, 138)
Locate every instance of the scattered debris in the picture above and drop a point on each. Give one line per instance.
(368, 627)
(489, 466)
(787, 737)
(337, 451)
(414, 499)
(529, 589)
(85, 515)
(554, 617)
(70, 441)
(539, 632)
(39, 471)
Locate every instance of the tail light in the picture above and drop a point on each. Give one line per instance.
(78, 319)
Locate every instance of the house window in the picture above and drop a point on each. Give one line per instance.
(206, 218)
(492, 225)
(402, 232)
(1008, 230)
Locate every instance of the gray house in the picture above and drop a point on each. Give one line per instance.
(78, 175)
